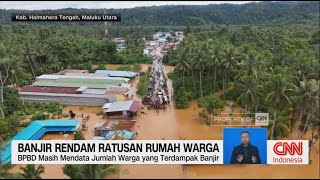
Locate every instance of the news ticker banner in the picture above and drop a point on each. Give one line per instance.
(24, 17)
(117, 152)
(145, 152)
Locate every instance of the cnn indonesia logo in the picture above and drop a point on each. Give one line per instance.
(282, 149)
(289, 152)
(261, 119)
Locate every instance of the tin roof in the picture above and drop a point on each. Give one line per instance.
(131, 105)
(117, 88)
(80, 75)
(108, 125)
(135, 106)
(119, 40)
(106, 106)
(85, 74)
(68, 84)
(94, 91)
(114, 73)
(89, 80)
(116, 92)
(63, 95)
(36, 130)
(61, 90)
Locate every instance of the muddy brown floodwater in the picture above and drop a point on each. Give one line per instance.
(175, 124)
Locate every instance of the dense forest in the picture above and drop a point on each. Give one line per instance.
(34, 50)
(197, 15)
(263, 69)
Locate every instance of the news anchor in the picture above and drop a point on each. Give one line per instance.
(245, 153)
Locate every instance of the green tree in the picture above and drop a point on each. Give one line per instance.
(249, 66)
(78, 136)
(281, 127)
(229, 62)
(4, 75)
(251, 93)
(307, 92)
(30, 171)
(188, 30)
(278, 87)
(214, 61)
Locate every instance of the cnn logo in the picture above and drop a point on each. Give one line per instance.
(283, 148)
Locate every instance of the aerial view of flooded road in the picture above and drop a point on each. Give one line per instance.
(234, 84)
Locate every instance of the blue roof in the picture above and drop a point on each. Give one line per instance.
(36, 130)
(114, 73)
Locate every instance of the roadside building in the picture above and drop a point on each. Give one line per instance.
(121, 108)
(115, 73)
(113, 125)
(120, 43)
(147, 51)
(36, 130)
(88, 89)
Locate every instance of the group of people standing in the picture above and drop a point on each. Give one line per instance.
(157, 95)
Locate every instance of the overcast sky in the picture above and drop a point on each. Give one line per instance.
(38, 5)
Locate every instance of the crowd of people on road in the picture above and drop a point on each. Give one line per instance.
(157, 97)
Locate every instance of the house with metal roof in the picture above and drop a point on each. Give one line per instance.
(69, 99)
(54, 77)
(113, 125)
(36, 130)
(115, 73)
(121, 108)
(40, 89)
(69, 84)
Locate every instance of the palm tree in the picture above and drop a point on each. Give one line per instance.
(306, 92)
(4, 75)
(251, 94)
(31, 172)
(315, 124)
(200, 65)
(313, 107)
(278, 86)
(182, 66)
(249, 66)
(89, 171)
(229, 62)
(281, 125)
(190, 42)
(4, 174)
(29, 53)
(214, 61)
(188, 65)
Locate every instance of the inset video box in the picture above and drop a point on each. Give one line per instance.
(22, 17)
